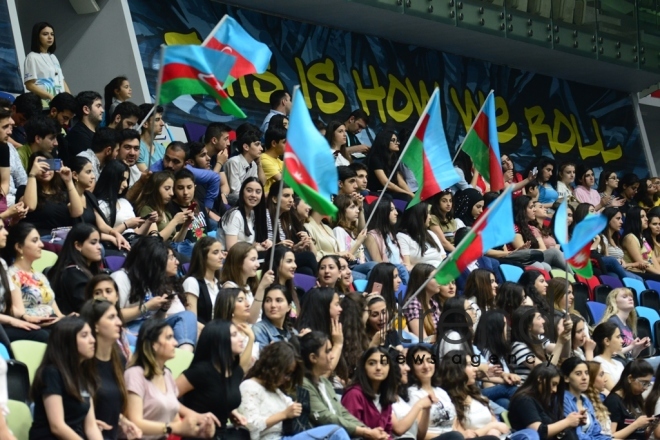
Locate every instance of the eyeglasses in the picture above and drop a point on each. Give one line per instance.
(613, 178)
(644, 383)
(395, 141)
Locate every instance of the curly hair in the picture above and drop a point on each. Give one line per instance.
(356, 340)
(274, 363)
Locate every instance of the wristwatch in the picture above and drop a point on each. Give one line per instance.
(167, 429)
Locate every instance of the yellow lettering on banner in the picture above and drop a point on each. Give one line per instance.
(598, 147)
(266, 78)
(397, 86)
(502, 112)
(365, 94)
(468, 111)
(300, 67)
(535, 117)
(243, 86)
(315, 73)
(557, 145)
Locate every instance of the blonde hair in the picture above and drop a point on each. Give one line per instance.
(602, 414)
(612, 309)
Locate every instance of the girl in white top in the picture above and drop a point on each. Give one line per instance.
(458, 376)
(409, 421)
(5, 433)
(337, 137)
(346, 231)
(247, 221)
(241, 270)
(565, 182)
(42, 74)
(418, 244)
(265, 403)
(207, 259)
(609, 341)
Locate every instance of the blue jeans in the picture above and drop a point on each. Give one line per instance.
(184, 326)
(335, 432)
(363, 270)
(524, 434)
(612, 265)
(184, 247)
(500, 394)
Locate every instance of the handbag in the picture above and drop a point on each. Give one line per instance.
(301, 423)
(59, 234)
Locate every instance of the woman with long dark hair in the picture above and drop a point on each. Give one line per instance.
(354, 314)
(608, 184)
(539, 404)
(152, 393)
(285, 268)
(348, 236)
(626, 403)
(385, 280)
(316, 353)
(320, 312)
(418, 244)
(509, 297)
(443, 222)
(576, 376)
(457, 329)
(458, 377)
(584, 191)
(50, 196)
(481, 291)
(147, 290)
(627, 190)
(43, 74)
(492, 340)
(529, 237)
(609, 343)
(62, 387)
(264, 399)
(78, 262)
(381, 243)
(276, 323)
(635, 247)
(536, 289)
(215, 371)
(546, 179)
(233, 306)
(108, 367)
(610, 249)
(373, 391)
(335, 134)
(247, 220)
(381, 323)
(380, 161)
(423, 312)
(110, 191)
(202, 282)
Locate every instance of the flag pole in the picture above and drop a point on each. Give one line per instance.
(160, 80)
(476, 227)
(276, 223)
(394, 170)
(476, 118)
(217, 26)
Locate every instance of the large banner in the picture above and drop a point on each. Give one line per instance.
(10, 78)
(340, 71)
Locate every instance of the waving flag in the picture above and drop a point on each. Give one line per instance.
(493, 228)
(483, 147)
(195, 70)
(251, 55)
(309, 166)
(427, 154)
(577, 251)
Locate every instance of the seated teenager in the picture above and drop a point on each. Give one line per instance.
(62, 386)
(203, 279)
(184, 201)
(152, 392)
(247, 221)
(380, 161)
(418, 244)
(276, 323)
(246, 164)
(78, 262)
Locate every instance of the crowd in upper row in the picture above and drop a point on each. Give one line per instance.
(90, 181)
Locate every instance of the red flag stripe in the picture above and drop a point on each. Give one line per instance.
(178, 71)
(242, 67)
(481, 129)
(296, 169)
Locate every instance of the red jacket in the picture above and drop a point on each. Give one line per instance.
(363, 408)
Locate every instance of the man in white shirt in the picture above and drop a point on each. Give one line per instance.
(280, 104)
(244, 165)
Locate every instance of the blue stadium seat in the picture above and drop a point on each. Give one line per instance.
(360, 285)
(510, 272)
(596, 310)
(632, 283)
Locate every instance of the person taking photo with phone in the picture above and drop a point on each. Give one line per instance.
(184, 201)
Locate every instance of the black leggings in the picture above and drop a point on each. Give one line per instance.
(306, 262)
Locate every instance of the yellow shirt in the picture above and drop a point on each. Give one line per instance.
(272, 167)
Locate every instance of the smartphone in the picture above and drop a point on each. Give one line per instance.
(192, 206)
(54, 164)
(144, 217)
(377, 288)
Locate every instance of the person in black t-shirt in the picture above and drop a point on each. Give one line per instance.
(215, 371)
(90, 111)
(108, 365)
(380, 163)
(626, 404)
(62, 385)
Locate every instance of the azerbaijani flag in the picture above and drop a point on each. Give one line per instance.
(251, 55)
(493, 228)
(577, 250)
(483, 147)
(427, 154)
(309, 166)
(194, 70)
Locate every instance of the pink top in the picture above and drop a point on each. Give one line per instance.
(156, 405)
(585, 195)
(364, 409)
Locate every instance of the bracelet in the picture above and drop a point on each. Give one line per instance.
(143, 309)
(125, 225)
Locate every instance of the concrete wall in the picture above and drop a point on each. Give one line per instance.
(92, 48)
